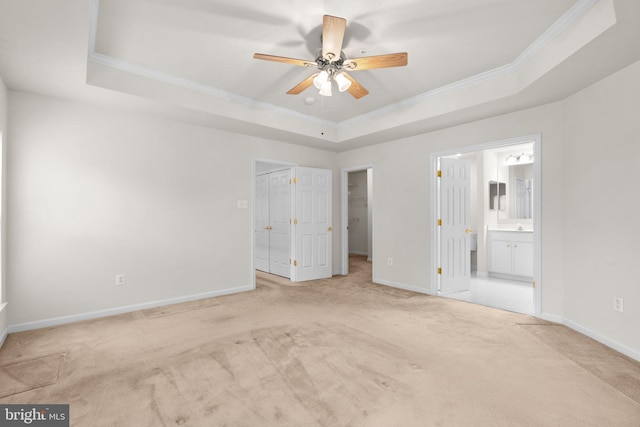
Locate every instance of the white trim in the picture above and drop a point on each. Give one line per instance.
(128, 67)
(252, 224)
(359, 253)
(94, 13)
(537, 198)
(344, 202)
(552, 318)
(537, 224)
(4, 334)
(268, 171)
(561, 24)
(634, 354)
(435, 237)
(3, 337)
(402, 286)
(55, 321)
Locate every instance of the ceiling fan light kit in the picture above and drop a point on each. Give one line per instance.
(332, 62)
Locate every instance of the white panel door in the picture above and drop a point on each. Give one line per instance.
(312, 224)
(262, 223)
(280, 222)
(455, 253)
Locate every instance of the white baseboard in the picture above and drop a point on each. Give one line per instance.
(401, 286)
(552, 318)
(4, 336)
(634, 354)
(358, 253)
(38, 324)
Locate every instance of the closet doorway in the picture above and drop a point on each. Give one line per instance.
(292, 225)
(272, 222)
(357, 215)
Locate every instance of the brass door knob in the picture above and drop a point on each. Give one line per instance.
(468, 230)
(329, 229)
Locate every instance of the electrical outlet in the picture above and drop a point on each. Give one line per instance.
(389, 261)
(618, 304)
(120, 280)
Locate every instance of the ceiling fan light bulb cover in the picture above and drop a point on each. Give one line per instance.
(325, 90)
(320, 79)
(343, 82)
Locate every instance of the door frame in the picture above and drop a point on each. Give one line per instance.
(344, 206)
(537, 212)
(278, 165)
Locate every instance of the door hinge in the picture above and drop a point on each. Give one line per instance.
(440, 222)
(295, 180)
(295, 221)
(439, 174)
(533, 284)
(295, 263)
(439, 271)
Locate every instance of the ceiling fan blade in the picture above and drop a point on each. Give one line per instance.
(356, 89)
(332, 36)
(302, 85)
(286, 60)
(381, 61)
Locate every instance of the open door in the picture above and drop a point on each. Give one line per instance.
(312, 227)
(273, 222)
(455, 199)
(261, 225)
(279, 223)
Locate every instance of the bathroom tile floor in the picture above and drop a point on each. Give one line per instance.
(504, 294)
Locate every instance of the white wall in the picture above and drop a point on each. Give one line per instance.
(402, 210)
(3, 134)
(590, 172)
(602, 174)
(93, 193)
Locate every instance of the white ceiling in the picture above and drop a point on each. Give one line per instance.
(192, 59)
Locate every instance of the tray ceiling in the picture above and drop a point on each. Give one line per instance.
(193, 59)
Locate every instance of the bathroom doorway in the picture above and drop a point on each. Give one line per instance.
(502, 243)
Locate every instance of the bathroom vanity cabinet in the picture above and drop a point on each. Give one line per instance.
(510, 254)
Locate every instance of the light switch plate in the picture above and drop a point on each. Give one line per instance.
(243, 204)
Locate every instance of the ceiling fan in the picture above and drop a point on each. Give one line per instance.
(333, 64)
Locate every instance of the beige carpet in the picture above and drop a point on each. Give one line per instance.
(336, 352)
